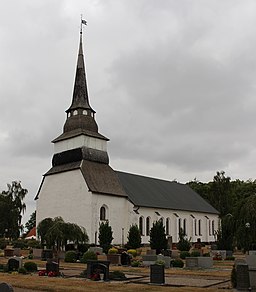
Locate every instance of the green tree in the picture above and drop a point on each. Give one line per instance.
(105, 236)
(31, 222)
(12, 207)
(158, 238)
(225, 236)
(134, 237)
(55, 233)
(184, 243)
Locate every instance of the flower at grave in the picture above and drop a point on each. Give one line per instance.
(42, 273)
(95, 277)
(52, 274)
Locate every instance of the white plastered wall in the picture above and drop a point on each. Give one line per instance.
(80, 141)
(65, 194)
(206, 235)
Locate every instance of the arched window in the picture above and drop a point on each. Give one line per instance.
(167, 226)
(141, 225)
(148, 226)
(185, 226)
(195, 222)
(103, 213)
(210, 227)
(199, 227)
(179, 225)
(213, 229)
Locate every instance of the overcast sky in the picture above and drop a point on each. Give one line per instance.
(173, 84)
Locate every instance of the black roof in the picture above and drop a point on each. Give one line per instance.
(156, 193)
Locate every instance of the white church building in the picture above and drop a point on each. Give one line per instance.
(82, 188)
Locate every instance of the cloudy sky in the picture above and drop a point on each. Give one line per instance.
(173, 84)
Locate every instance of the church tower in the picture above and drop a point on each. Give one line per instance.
(81, 186)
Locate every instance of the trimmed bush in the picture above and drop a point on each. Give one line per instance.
(89, 255)
(22, 270)
(195, 254)
(70, 256)
(117, 275)
(230, 258)
(178, 263)
(112, 250)
(133, 252)
(30, 266)
(20, 243)
(160, 263)
(184, 254)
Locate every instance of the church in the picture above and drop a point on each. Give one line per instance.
(82, 188)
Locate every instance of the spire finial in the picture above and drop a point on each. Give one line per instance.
(82, 22)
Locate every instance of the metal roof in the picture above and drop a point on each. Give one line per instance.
(156, 193)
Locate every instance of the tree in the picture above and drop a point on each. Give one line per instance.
(184, 244)
(105, 236)
(134, 237)
(31, 222)
(56, 232)
(12, 207)
(158, 238)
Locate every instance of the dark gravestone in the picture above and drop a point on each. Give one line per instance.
(46, 254)
(157, 274)
(13, 264)
(243, 280)
(125, 259)
(95, 267)
(52, 266)
(4, 287)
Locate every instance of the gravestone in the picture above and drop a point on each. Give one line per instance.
(46, 254)
(243, 280)
(125, 259)
(199, 262)
(8, 252)
(14, 264)
(4, 287)
(52, 266)
(98, 267)
(157, 274)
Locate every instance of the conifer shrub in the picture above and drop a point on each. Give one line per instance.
(30, 266)
(195, 254)
(184, 254)
(88, 255)
(178, 263)
(70, 256)
(22, 270)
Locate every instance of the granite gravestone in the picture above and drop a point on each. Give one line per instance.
(4, 287)
(243, 280)
(157, 274)
(14, 264)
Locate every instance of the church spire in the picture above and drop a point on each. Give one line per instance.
(80, 115)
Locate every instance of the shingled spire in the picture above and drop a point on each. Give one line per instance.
(80, 114)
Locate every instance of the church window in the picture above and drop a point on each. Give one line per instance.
(75, 112)
(179, 225)
(141, 225)
(195, 222)
(185, 226)
(209, 222)
(199, 227)
(213, 231)
(103, 213)
(147, 226)
(167, 226)
(85, 112)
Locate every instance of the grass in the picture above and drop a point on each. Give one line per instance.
(221, 270)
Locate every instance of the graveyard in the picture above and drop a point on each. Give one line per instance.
(215, 276)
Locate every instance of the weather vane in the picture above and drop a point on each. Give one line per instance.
(82, 22)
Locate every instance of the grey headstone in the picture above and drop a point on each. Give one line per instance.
(4, 287)
(157, 274)
(243, 280)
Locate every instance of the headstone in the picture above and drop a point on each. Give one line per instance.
(52, 266)
(157, 274)
(175, 254)
(8, 252)
(251, 261)
(95, 268)
(4, 287)
(243, 280)
(151, 252)
(14, 264)
(17, 252)
(114, 259)
(252, 252)
(46, 254)
(199, 262)
(37, 253)
(125, 259)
